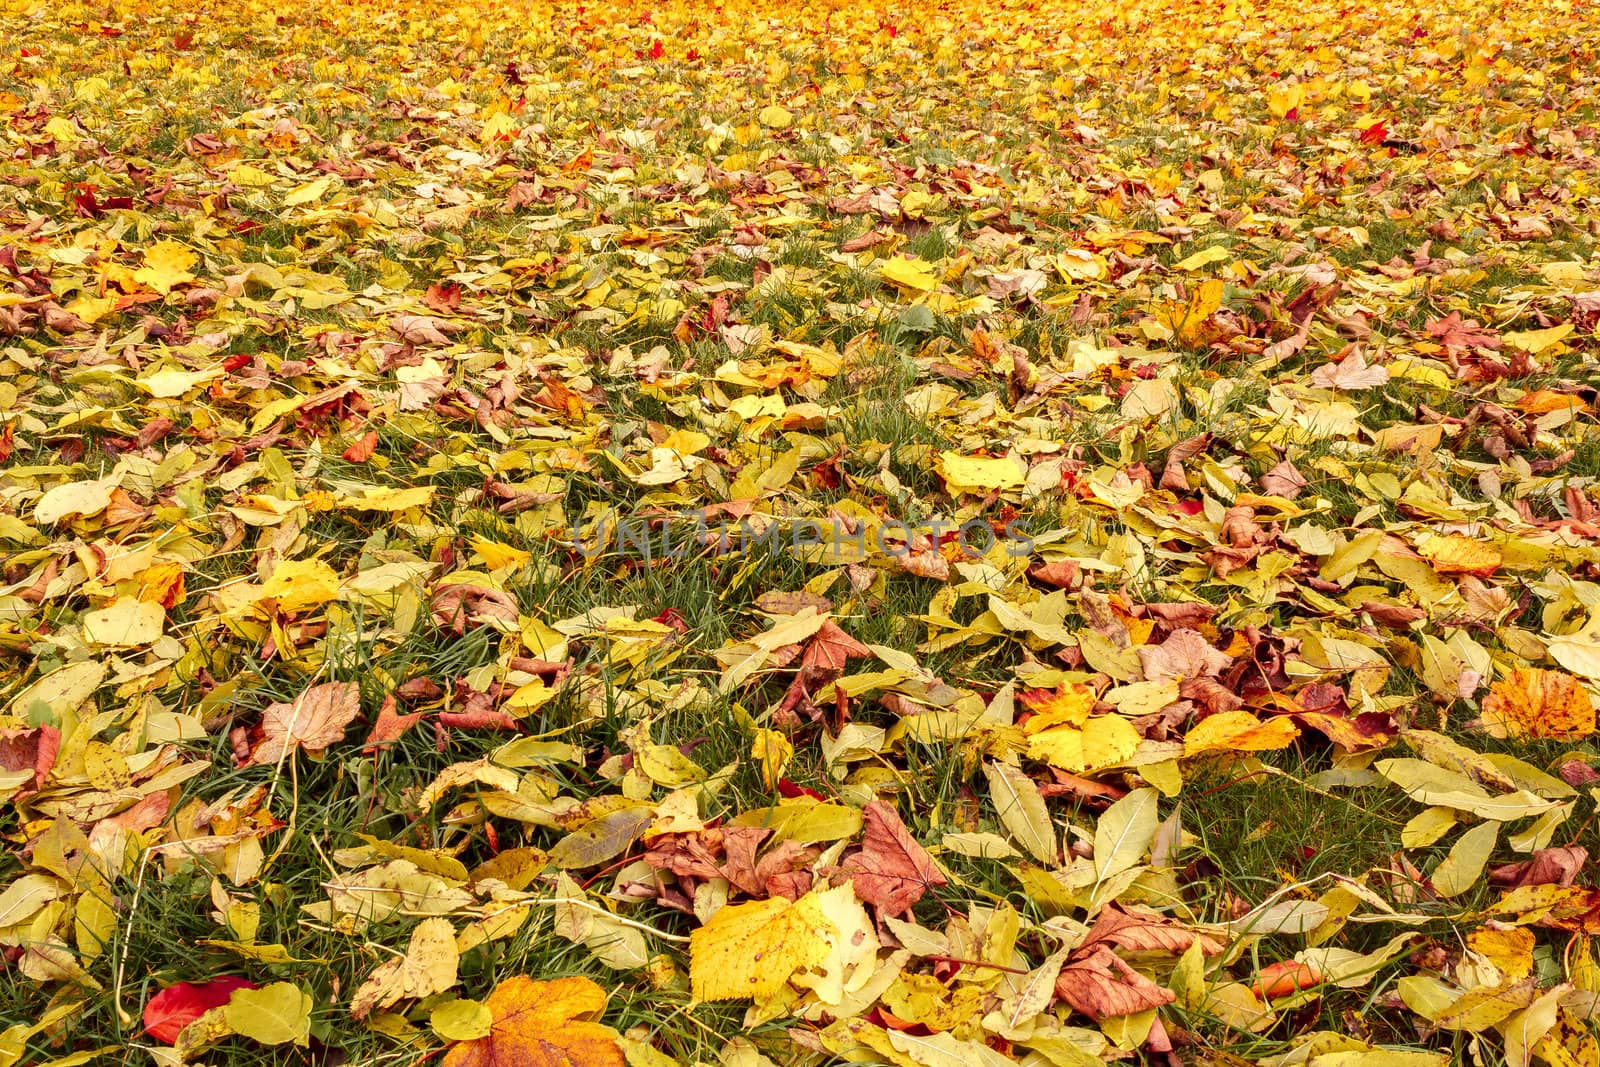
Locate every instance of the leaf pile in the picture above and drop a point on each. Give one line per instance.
(624, 533)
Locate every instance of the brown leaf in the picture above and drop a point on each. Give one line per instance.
(1284, 480)
(1101, 986)
(389, 727)
(459, 608)
(313, 721)
(1061, 573)
(892, 871)
(1172, 474)
(1185, 654)
(1138, 930)
(1549, 866)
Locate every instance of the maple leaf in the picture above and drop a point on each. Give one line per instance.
(542, 1024)
(892, 871)
(1457, 334)
(313, 721)
(831, 647)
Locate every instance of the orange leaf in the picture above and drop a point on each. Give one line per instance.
(1285, 979)
(1536, 703)
(542, 1024)
(1455, 554)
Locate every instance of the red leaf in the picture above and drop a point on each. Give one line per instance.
(363, 449)
(892, 870)
(176, 1006)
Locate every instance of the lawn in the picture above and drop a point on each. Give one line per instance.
(608, 533)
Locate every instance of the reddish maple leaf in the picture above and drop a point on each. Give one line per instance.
(1458, 334)
(831, 647)
(891, 871)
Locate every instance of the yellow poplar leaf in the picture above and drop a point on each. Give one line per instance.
(1022, 810)
(275, 1014)
(1426, 827)
(1530, 702)
(496, 555)
(1203, 258)
(250, 177)
(169, 382)
(751, 949)
(124, 623)
(1509, 949)
(1239, 731)
(1285, 98)
(1103, 741)
(909, 273)
(852, 950)
(1484, 1006)
(309, 193)
(773, 751)
(778, 118)
(1455, 554)
(166, 264)
(1578, 653)
(1125, 833)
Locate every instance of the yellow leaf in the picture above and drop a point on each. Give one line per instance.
(773, 751)
(124, 623)
(276, 1014)
(752, 949)
(776, 117)
(1239, 731)
(166, 264)
(1463, 866)
(1534, 341)
(909, 273)
(1103, 741)
(1203, 258)
(461, 1020)
(296, 585)
(980, 473)
(83, 499)
(428, 967)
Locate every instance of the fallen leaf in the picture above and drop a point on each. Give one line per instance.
(542, 1024)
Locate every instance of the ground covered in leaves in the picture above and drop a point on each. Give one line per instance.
(802, 533)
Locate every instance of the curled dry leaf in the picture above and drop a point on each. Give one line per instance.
(313, 721)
